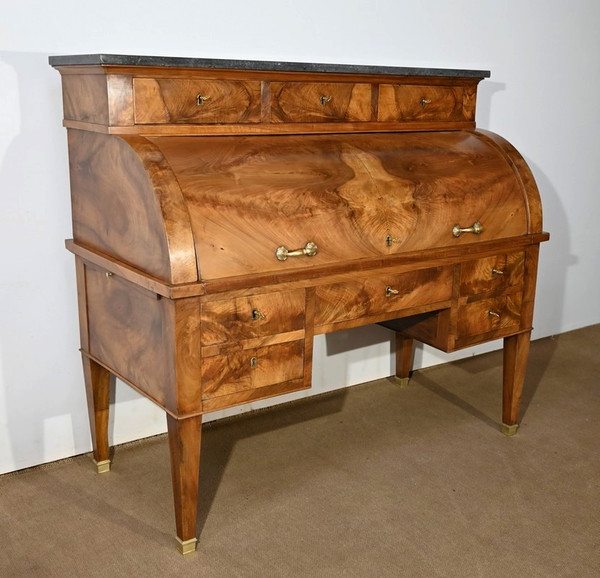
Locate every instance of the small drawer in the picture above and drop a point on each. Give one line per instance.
(492, 275)
(320, 102)
(398, 102)
(174, 100)
(485, 315)
(252, 369)
(232, 320)
(376, 296)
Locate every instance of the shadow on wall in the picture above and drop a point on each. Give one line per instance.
(38, 342)
(43, 414)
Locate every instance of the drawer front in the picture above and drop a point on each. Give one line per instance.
(173, 100)
(420, 103)
(492, 275)
(232, 320)
(252, 369)
(485, 315)
(320, 102)
(382, 294)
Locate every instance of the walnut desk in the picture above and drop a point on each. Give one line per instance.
(225, 212)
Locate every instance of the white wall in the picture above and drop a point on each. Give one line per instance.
(543, 96)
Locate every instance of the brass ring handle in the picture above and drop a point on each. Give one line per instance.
(493, 314)
(496, 272)
(476, 228)
(310, 251)
(389, 291)
(201, 99)
(325, 99)
(257, 314)
(424, 101)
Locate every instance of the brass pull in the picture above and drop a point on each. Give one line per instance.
(476, 228)
(201, 99)
(496, 272)
(325, 99)
(310, 251)
(256, 314)
(493, 314)
(424, 101)
(389, 291)
(108, 274)
(253, 362)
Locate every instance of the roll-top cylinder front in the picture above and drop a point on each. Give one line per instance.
(267, 204)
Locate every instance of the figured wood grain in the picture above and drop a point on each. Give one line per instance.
(231, 320)
(126, 203)
(232, 373)
(353, 300)
(399, 102)
(188, 207)
(320, 102)
(523, 174)
(347, 194)
(491, 275)
(474, 317)
(133, 332)
(167, 100)
(85, 98)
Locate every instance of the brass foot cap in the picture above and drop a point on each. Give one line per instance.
(509, 430)
(103, 466)
(186, 546)
(401, 382)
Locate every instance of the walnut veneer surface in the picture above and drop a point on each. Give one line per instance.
(226, 212)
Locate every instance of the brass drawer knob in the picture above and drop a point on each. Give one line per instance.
(497, 272)
(389, 291)
(257, 314)
(424, 101)
(201, 99)
(310, 250)
(492, 313)
(476, 228)
(325, 99)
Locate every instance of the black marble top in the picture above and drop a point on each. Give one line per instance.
(180, 62)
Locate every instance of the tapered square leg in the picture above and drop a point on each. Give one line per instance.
(404, 358)
(516, 352)
(98, 382)
(184, 445)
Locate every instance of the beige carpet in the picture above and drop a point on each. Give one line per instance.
(370, 481)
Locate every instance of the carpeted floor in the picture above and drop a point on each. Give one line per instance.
(369, 481)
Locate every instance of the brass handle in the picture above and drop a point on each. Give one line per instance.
(325, 99)
(201, 99)
(253, 362)
(424, 101)
(493, 314)
(256, 314)
(496, 272)
(476, 228)
(310, 251)
(389, 291)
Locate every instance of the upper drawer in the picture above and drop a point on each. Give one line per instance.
(254, 316)
(399, 102)
(174, 100)
(378, 296)
(320, 102)
(491, 275)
